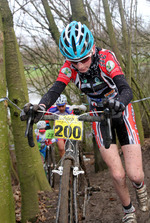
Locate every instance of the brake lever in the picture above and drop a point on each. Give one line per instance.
(29, 128)
(28, 125)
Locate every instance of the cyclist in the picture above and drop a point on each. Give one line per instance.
(41, 133)
(41, 136)
(97, 73)
(61, 108)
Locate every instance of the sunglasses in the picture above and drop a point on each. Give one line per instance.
(83, 61)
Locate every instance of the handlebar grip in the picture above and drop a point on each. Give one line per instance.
(29, 128)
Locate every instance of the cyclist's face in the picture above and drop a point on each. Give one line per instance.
(84, 64)
(61, 108)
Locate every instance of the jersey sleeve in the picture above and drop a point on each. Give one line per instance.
(112, 67)
(65, 73)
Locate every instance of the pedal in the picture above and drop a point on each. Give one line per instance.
(76, 171)
(59, 171)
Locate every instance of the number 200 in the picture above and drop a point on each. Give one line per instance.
(67, 131)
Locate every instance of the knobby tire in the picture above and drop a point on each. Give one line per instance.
(50, 166)
(67, 211)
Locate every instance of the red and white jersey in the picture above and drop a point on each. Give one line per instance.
(98, 81)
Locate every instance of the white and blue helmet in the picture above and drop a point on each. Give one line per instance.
(41, 125)
(76, 41)
(62, 100)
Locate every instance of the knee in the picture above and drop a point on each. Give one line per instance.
(136, 176)
(118, 176)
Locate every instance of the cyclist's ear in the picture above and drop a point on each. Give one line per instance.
(93, 49)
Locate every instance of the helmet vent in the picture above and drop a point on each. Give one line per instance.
(87, 38)
(66, 52)
(88, 46)
(76, 26)
(83, 49)
(66, 42)
(69, 28)
(82, 30)
(74, 45)
(76, 32)
(80, 40)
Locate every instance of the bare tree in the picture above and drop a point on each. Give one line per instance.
(7, 209)
(30, 169)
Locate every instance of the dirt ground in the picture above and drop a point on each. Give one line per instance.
(103, 206)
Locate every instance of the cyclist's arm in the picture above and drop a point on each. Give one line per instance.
(66, 74)
(113, 69)
(53, 93)
(125, 92)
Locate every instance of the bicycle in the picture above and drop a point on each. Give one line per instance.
(50, 163)
(69, 168)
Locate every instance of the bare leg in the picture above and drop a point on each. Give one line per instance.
(133, 162)
(112, 158)
(61, 147)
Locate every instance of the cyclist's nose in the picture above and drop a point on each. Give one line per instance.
(80, 65)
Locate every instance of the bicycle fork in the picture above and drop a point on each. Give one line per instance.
(71, 161)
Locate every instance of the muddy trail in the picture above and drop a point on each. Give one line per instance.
(103, 206)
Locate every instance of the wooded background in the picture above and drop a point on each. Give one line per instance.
(31, 58)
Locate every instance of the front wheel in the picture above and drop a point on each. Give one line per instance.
(67, 209)
(50, 165)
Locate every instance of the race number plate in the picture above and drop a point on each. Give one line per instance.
(68, 126)
(49, 134)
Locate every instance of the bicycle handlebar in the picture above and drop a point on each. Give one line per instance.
(104, 118)
(85, 118)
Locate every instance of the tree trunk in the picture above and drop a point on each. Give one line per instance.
(78, 12)
(126, 43)
(27, 170)
(7, 210)
(52, 25)
(127, 39)
(111, 32)
(138, 115)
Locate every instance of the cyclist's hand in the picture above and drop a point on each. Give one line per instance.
(36, 109)
(115, 104)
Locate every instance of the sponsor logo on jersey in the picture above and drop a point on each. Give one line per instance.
(110, 65)
(66, 71)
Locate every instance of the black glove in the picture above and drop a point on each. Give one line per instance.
(116, 105)
(36, 109)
